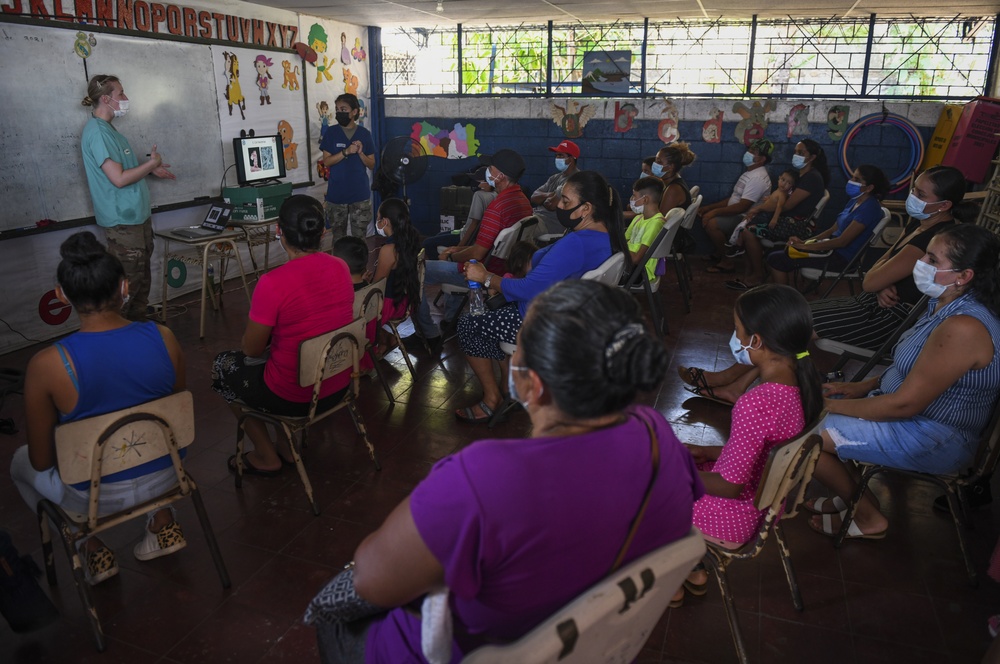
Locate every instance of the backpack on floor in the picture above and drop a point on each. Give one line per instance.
(23, 603)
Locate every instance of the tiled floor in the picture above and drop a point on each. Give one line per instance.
(903, 599)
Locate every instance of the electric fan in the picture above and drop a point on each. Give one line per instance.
(403, 161)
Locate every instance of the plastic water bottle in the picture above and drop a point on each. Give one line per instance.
(477, 305)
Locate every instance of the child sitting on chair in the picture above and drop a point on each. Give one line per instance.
(648, 221)
(773, 327)
(353, 251)
(757, 221)
(519, 260)
(397, 264)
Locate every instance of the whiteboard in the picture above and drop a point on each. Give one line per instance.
(173, 104)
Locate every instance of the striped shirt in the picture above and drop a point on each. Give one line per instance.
(968, 403)
(508, 208)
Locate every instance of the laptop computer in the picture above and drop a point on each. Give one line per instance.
(215, 222)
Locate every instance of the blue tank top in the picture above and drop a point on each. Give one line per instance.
(118, 369)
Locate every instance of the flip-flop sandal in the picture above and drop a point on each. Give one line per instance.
(853, 532)
(715, 269)
(819, 506)
(468, 415)
(250, 469)
(693, 376)
(706, 392)
(737, 285)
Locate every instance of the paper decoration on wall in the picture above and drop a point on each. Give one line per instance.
(606, 72)
(305, 52)
(754, 121)
(345, 53)
(457, 143)
(350, 82)
(326, 117)
(624, 115)
(668, 129)
(836, 121)
(573, 118)
(289, 148)
(362, 111)
(261, 64)
(233, 93)
(711, 131)
(358, 52)
(316, 41)
(798, 120)
(84, 46)
(291, 79)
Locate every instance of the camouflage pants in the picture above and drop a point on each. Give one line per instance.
(337, 216)
(133, 246)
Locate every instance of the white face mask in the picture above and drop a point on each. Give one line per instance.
(122, 108)
(510, 385)
(380, 229)
(740, 352)
(748, 158)
(924, 275)
(915, 207)
(489, 179)
(798, 161)
(636, 207)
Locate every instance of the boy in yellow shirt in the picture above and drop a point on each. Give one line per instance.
(648, 222)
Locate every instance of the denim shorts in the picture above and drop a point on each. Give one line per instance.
(918, 443)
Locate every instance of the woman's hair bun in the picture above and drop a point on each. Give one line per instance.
(632, 357)
(82, 249)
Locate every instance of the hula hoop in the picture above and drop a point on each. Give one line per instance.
(901, 181)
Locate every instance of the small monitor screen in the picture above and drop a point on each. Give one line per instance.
(258, 158)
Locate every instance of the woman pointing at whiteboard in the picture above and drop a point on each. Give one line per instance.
(118, 188)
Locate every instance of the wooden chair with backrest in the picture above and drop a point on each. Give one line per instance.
(368, 303)
(320, 358)
(92, 448)
(612, 620)
(789, 468)
(852, 271)
(952, 483)
(638, 279)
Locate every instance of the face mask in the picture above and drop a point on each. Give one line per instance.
(658, 170)
(565, 217)
(489, 179)
(923, 277)
(125, 296)
(741, 352)
(798, 161)
(915, 207)
(343, 119)
(380, 230)
(636, 207)
(748, 159)
(562, 165)
(853, 189)
(122, 108)
(510, 385)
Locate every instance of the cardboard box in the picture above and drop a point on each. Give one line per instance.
(975, 139)
(941, 138)
(257, 203)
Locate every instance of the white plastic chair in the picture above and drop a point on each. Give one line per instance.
(612, 620)
(609, 272)
(638, 280)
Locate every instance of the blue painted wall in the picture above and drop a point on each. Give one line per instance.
(618, 156)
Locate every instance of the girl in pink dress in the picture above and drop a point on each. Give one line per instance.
(773, 327)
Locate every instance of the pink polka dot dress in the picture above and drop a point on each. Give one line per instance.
(766, 415)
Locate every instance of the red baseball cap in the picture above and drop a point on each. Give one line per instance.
(568, 147)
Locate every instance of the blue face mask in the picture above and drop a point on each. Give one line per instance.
(798, 161)
(562, 164)
(853, 189)
(748, 158)
(915, 207)
(658, 170)
(511, 389)
(740, 352)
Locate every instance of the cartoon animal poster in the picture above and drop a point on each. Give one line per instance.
(291, 76)
(358, 52)
(624, 115)
(572, 117)
(798, 121)
(350, 82)
(711, 131)
(836, 121)
(669, 128)
(754, 121)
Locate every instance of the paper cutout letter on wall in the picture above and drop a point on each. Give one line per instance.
(836, 121)
(233, 94)
(288, 148)
(668, 129)
(754, 121)
(291, 80)
(458, 143)
(711, 131)
(798, 120)
(571, 119)
(624, 115)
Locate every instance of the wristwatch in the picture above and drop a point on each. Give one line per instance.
(489, 278)
(344, 153)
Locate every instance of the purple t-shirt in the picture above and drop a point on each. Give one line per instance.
(524, 526)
